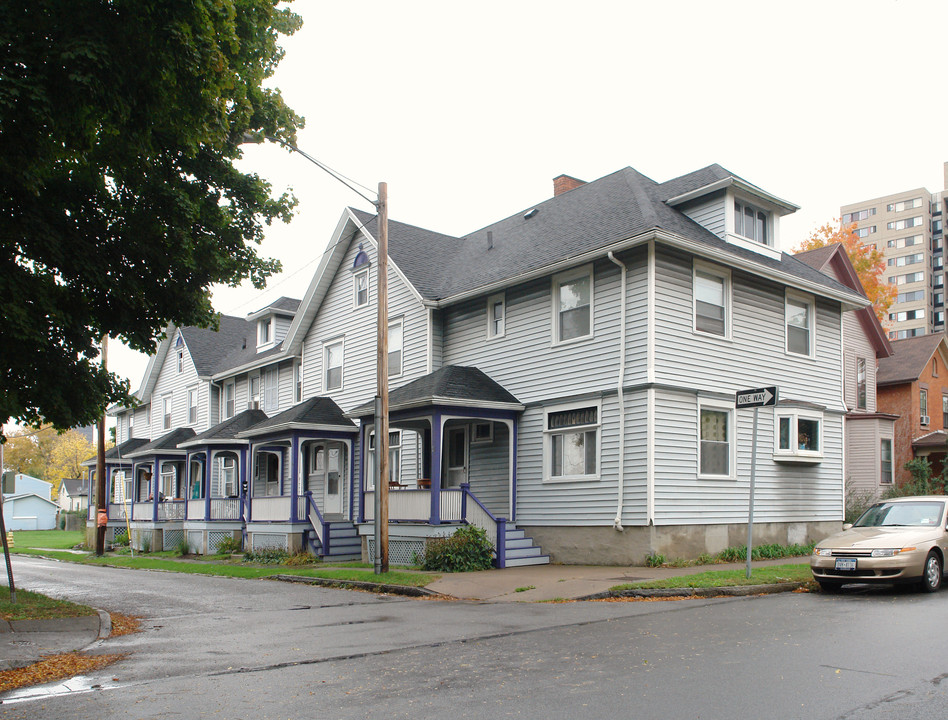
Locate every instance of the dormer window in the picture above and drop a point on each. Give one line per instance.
(263, 332)
(751, 222)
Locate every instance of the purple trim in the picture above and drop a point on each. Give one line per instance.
(448, 409)
(207, 484)
(465, 491)
(294, 477)
(352, 453)
(155, 488)
(501, 543)
(435, 468)
(362, 436)
(513, 491)
(245, 497)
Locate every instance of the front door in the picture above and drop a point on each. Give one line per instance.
(456, 458)
(328, 466)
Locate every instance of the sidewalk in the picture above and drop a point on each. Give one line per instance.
(567, 582)
(23, 642)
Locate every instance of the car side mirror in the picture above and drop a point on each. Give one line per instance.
(846, 526)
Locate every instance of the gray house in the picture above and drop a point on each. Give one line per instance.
(563, 378)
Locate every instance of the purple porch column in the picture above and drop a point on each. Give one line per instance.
(294, 479)
(245, 455)
(513, 490)
(435, 469)
(207, 484)
(155, 487)
(362, 454)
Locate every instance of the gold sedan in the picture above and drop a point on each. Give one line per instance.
(902, 540)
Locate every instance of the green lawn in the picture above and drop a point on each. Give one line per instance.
(57, 539)
(794, 572)
(33, 606)
(219, 566)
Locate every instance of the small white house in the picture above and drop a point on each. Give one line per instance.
(27, 503)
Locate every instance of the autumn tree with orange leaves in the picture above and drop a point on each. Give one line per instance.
(868, 262)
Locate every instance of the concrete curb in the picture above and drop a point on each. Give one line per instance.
(727, 591)
(361, 585)
(82, 623)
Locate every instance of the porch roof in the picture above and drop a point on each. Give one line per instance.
(226, 432)
(934, 439)
(317, 413)
(451, 385)
(119, 452)
(165, 444)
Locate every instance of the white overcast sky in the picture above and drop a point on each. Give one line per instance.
(468, 114)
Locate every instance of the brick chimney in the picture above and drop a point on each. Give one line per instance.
(565, 183)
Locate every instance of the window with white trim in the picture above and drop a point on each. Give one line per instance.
(395, 347)
(482, 432)
(265, 331)
(711, 300)
(228, 475)
(885, 456)
(166, 412)
(496, 315)
(169, 473)
(253, 392)
(267, 473)
(333, 364)
(715, 441)
(800, 313)
(192, 406)
(861, 395)
(394, 459)
(572, 305)
(298, 381)
(360, 288)
(751, 222)
(923, 405)
(180, 360)
(799, 434)
(229, 399)
(571, 442)
(270, 392)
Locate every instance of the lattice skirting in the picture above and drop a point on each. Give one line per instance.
(119, 535)
(214, 540)
(267, 541)
(400, 552)
(172, 539)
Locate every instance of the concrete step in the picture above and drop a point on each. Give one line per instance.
(344, 557)
(521, 562)
(521, 543)
(532, 551)
(515, 534)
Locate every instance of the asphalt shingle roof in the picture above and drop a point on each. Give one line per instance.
(169, 441)
(315, 411)
(228, 429)
(452, 382)
(75, 487)
(908, 359)
(590, 217)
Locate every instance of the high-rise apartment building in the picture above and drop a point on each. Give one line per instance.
(907, 228)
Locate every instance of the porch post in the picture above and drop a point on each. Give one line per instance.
(436, 437)
(515, 426)
(362, 455)
(246, 457)
(294, 473)
(155, 487)
(207, 484)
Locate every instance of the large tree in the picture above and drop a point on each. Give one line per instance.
(867, 260)
(120, 204)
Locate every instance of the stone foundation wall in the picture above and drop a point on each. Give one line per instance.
(606, 546)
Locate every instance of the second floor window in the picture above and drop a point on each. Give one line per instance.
(496, 312)
(799, 325)
(572, 304)
(710, 302)
(923, 405)
(360, 288)
(230, 400)
(861, 383)
(885, 453)
(395, 344)
(166, 412)
(750, 222)
(333, 365)
(192, 406)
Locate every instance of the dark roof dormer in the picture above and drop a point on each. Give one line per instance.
(273, 321)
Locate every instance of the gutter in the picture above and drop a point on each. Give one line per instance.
(620, 489)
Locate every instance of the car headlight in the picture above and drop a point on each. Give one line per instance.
(885, 552)
(823, 552)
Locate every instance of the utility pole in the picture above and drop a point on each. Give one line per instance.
(381, 421)
(101, 515)
(3, 534)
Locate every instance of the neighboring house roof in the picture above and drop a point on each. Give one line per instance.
(23, 496)
(934, 439)
(835, 256)
(74, 487)
(281, 306)
(451, 385)
(228, 430)
(316, 413)
(166, 443)
(908, 360)
(568, 227)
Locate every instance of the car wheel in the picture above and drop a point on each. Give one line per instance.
(931, 579)
(830, 586)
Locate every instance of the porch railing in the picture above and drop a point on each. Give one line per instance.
(171, 510)
(142, 510)
(195, 509)
(310, 511)
(225, 508)
(270, 509)
(457, 505)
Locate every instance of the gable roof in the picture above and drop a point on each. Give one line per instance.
(451, 385)
(834, 257)
(118, 452)
(166, 443)
(316, 413)
(74, 487)
(909, 358)
(228, 430)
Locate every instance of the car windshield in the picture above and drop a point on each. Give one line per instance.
(924, 513)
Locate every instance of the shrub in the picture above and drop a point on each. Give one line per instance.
(466, 550)
(267, 556)
(764, 552)
(857, 502)
(654, 559)
(229, 546)
(300, 559)
(922, 482)
(183, 547)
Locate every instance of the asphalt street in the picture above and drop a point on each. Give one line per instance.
(227, 648)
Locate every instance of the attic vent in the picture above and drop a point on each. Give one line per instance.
(530, 213)
(179, 342)
(490, 239)
(361, 259)
(243, 345)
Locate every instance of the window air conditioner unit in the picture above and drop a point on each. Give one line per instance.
(925, 420)
(253, 405)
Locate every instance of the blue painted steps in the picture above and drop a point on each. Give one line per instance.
(344, 542)
(520, 549)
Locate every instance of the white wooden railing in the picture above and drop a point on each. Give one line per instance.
(171, 510)
(402, 504)
(479, 517)
(143, 511)
(225, 508)
(195, 509)
(270, 509)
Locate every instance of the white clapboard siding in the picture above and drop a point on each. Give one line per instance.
(489, 473)
(175, 383)
(709, 213)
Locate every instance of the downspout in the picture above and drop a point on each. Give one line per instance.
(620, 384)
(842, 393)
(650, 379)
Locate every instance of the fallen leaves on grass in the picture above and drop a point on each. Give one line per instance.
(54, 667)
(124, 624)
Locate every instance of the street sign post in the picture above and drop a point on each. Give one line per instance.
(755, 398)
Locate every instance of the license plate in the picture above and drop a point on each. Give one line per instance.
(845, 563)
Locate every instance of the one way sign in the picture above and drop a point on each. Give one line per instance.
(760, 397)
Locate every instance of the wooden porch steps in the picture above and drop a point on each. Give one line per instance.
(520, 549)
